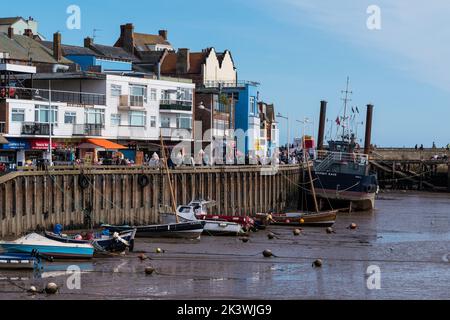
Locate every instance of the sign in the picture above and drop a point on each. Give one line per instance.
(16, 144)
(42, 144)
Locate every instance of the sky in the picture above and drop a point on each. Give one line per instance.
(301, 51)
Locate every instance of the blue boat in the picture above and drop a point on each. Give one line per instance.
(48, 248)
(18, 261)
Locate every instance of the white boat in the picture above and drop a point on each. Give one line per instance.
(49, 248)
(213, 228)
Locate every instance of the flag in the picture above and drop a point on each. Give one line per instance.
(353, 110)
(338, 121)
(357, 109)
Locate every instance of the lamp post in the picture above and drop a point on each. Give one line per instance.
(50, 123)
(201, 106)
(304, 123)
(288, 129)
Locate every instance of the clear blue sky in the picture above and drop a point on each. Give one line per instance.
(301, 51)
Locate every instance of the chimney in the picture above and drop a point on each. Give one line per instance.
(88, 42)
(323, 116)
(57, 49)
(127, 37)
(10, 32)
(183, 61)
(163, 34)
(28, 33)
(369, 120)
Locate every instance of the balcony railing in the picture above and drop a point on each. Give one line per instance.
(36, 129)
(69, 97)
(230, 84)
(175, 105)
(177, 133)
(88, 130)
(2, 127)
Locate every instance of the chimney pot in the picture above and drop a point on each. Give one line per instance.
(57, 48)
(88, 42)
(127, 37)
(28, 33)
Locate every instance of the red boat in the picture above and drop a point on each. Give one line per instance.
(246, 222)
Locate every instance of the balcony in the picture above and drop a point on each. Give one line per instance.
(36, 129)
(229, 84)
(2, 127)
(131, 102)
(88, 130)
(69, 97)
(176, 133)
(175, 105)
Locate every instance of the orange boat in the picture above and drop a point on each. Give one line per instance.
(311, 219)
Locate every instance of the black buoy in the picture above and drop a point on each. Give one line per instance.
(353, 226)
(267, 254)
(149, 270)
(271, 236)
(318, 263)
(245, 240)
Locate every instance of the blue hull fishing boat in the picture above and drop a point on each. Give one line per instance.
(18, 261)
(48, 248)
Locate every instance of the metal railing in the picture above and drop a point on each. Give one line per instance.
(69, 97)
(88, 130)
(326, 158)
(177, 105)
(176, 133)
(2, 127)
(36, 129)
(229, 84)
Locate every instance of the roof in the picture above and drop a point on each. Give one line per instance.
(108, 145)
(70, 50)
(196, 60)
(143, 39)
(25, 48)
(10, 20)
(113, 52)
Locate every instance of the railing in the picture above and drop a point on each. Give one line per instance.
(177, 105)
(2, 127)
(229, 84)
(327, 158)
(176, 133)
(89, 130)
(36, 129)
(69, 97)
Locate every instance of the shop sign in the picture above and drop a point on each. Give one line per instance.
(16, 144)
(42, 144)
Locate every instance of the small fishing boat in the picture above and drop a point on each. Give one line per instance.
(307, 219)
(48, 248)
(212, 227)
(18, 261)
(103, 242)
(183, 230)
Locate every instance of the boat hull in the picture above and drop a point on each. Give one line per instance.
(50, 251)
(217, 228)
(17, 262)
(190, 230)
(322, 219)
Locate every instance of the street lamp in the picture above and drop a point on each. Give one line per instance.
(288, 129)
(201, 106)
(304, 123)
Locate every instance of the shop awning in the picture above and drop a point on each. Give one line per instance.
(3, 140)
(101, 143)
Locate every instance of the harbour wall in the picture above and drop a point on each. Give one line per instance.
(76, 198)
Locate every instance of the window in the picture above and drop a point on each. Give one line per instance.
(95, 116)
(70, 117)
(115, 120)
(116, 90)
(18, 115)
(252, 105)
(153, 94)
(153, 122)
(184, 94)
(139, 91)
(184, 122)
(165, 122)
(42, 114)
(165, 95)
(137, 118)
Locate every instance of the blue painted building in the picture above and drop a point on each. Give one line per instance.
(247, 117)
(100, 64)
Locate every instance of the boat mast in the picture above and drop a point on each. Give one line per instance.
(346, 100)
(306, 159)
(169, 178)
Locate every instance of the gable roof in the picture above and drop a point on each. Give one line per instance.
(10, 20)
(143, 39)
(113, 52)
(196, 60)
(69, 50)
(25, 48)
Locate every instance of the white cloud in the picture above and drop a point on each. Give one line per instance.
(415, 34)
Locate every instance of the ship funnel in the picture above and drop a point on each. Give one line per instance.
(369, 120)
(323, 116)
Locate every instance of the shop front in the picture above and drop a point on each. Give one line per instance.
(100, 151)
(13, 152)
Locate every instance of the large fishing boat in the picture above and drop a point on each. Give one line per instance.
(342, 171)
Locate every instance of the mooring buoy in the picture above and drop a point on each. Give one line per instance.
(271, 236)
(297, 232)
(159, 250)
(353, 226)
(245, 240)
(318, 263)
(267, 254)
(149, 270)
(330, 230)
(32, 290)
(51, 288)
(142, 257)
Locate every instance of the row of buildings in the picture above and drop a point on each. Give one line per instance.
(89, 102)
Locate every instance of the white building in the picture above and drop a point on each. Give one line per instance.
(128, 110)
(20, 26)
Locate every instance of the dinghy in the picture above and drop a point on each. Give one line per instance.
(307, 219)
(18, 261)
(48, 248)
